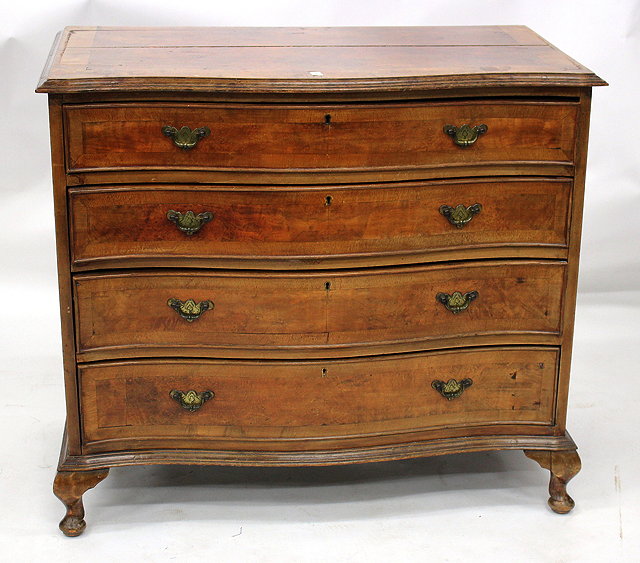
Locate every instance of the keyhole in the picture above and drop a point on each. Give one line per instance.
(324, 372)
(327, 119)
(327, 286)
(328, 200)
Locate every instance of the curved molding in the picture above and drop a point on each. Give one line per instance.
(316, 458)
(323, 86)
(329, 261)
(320, 352)
(315, 176)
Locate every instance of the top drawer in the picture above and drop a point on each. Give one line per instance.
(307, 138)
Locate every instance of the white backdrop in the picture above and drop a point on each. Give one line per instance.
(603, 35)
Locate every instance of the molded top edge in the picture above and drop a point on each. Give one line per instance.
(305, 60)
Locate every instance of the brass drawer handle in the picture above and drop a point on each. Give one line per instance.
(191, 400)
(460, 215)
(452, 388)
(457, 302)
(184, 137)
(189, 310)
(189, 223)
(465, 135)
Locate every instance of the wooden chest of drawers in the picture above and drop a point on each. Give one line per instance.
(314, 246)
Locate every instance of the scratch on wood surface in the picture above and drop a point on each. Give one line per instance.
(618, 484)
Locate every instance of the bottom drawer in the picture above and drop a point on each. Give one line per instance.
(288, 405)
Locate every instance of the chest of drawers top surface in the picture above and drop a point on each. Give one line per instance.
(295, 246)
(90, 59)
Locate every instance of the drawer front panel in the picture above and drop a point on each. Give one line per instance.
(253, 225)
(290, 137)
(279, 405)
(128, 314)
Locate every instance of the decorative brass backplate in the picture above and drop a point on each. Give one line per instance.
(189, 223)
(189, 310)
(184, 137)
(457, 302)
(191, 400)
(452, 388)
(460, 215)
(465, 135)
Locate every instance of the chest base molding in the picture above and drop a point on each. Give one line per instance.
(316, 458)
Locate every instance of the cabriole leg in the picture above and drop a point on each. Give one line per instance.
(563, 466)
(69, 486)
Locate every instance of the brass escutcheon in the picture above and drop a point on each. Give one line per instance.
(184, 137)
(457, 301)
(191, 400)
(452, 388)
(189, 223)
(460, 215)
(465, 135)
(189, 310)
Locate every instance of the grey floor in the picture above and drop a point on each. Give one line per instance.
(472, 507)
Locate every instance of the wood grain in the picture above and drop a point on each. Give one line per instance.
(575, 236)
(280, 59)
(65, 289)
(171, 37)
(563, 466)
(291, 312)
(245, 136)
(256, 226)
(321, 176)
(549, 93)
(491, 438)
(69, 487)
(289, 402)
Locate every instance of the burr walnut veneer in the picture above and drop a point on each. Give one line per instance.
(314, 246)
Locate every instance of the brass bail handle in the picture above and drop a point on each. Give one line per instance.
(465, 135)
(189, 223)
(185, 138)
(451, 389)
(460, 215)
(189, 310)
(191, 400)
(457, 301)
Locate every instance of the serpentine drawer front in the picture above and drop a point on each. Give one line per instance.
(347, 312)
(298, 227)
(313, 246)
(398, 135)
(281, 405)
